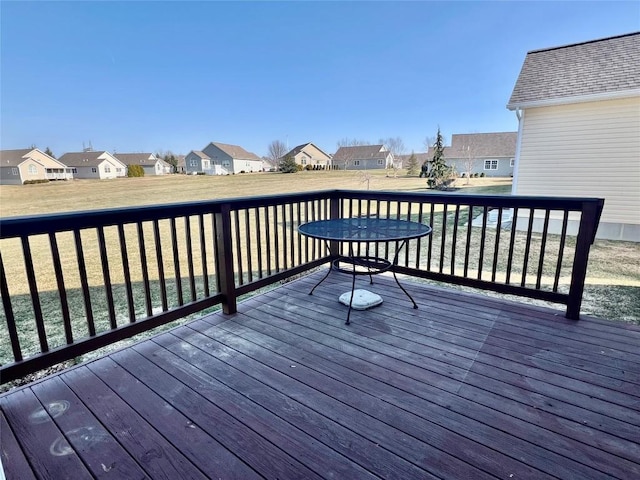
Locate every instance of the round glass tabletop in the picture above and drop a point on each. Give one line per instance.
(364, 229)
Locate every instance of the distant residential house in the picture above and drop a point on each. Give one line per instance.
(199, 162)
(578, 108)
(222, 159)
(18, 166)
(181, 167)
(364, 157)
(151, 164)
(310, 157)
(101, 165)
(476, 153)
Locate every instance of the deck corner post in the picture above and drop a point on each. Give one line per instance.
(224, 255)
(589, 220)
(334, 213)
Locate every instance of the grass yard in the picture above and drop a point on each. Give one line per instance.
(613, 283)
(612, 290)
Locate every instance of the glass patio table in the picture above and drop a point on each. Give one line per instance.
(368, 230)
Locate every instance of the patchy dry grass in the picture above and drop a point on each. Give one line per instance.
(613, 282)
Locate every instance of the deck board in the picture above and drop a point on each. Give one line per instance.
(465, 386)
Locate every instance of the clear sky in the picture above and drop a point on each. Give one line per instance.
(151, 76)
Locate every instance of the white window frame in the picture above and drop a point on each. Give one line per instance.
(491, 164)
(107, 169)
(74, 170)
(14, 171)
(193, 162)
(356, 163)
(380, 161)
(94, 170)
(33, 170)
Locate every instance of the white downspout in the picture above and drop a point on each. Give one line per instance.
(516, 163)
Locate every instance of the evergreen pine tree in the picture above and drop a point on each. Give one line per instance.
(288, 165)
(438, 170)
(412, 165)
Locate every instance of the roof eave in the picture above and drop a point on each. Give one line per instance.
(594, 97)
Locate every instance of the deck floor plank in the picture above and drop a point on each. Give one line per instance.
(14, 463)
(157, 455)
(325, 444)
(527, 431)
(42, 441)
(98, 449)
(465, 386)
(194, 442)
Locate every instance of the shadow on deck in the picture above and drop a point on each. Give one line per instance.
(465, 387)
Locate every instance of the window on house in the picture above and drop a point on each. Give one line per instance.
(14, 171)
(33, 169)
(94, 170)
(225, 163)
(193, 163)
(118, 170)
(107, 169)
(491, 164)
(74, 170)
(512, 162)
(380, 161)
(205, 164)
(356, 163)
(303, 160)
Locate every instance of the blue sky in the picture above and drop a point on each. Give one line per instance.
(150, 76)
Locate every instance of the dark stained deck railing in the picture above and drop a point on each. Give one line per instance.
(72, 283)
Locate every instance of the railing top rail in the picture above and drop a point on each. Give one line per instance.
(453, 198)
(39, 224)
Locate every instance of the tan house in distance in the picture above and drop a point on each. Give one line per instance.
(310, 157)
(19, 166)
(151, 164)
(90, 164)
(579, 128)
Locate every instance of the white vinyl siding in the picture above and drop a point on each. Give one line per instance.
(589, 150)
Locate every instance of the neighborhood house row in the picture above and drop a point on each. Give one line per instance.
(490, 153)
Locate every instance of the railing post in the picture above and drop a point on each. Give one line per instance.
(224, 253)
(586, 235)
(334, 213)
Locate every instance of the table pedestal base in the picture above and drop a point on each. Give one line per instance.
(362, 299)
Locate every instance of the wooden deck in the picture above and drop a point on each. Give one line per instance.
(465, 387)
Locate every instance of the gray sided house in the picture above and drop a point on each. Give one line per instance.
(310, 157)
(196, 162)
(151, 164)
(100, 165)
(363, 157)
(19, 166)
(222, 159)
(476, 153)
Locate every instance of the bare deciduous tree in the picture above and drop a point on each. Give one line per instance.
(469, 153)
(351, 142)
(348, 142)
(396, 146)
(277, 149)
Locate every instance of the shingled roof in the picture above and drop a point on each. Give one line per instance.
(361, 152)
(609, 67)
(134, 158)
(13, 158)
(236, 152)
(82, 159)
(499, 144)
